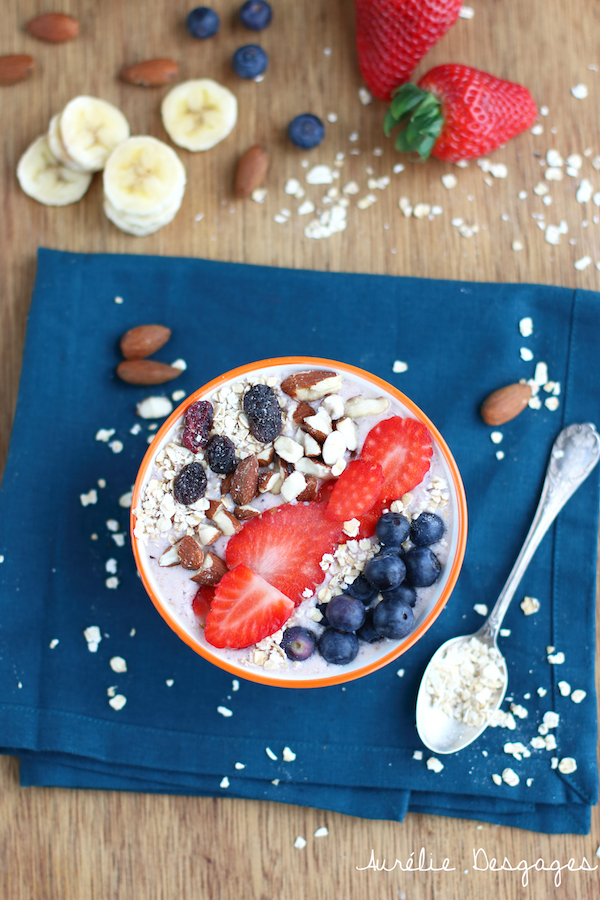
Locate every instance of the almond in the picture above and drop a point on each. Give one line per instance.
(505, 403)
(15, 68)
(251, 170)
(226, 522)
(142, 341)
(211, 571)
(208, 534)
(226, 484)
(191, 554)
(358, 407)
(53, 27)
(244, 484)
(151, 72)
(310, 491)
(146, 371)
(213, 507)
(246, 512)
(311, 385)
(266, 455)
(267, 482)
(301, 412)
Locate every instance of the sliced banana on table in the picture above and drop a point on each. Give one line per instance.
(144, 182)
(57, 147)
(89, 130)
(199, 114)
(46, 179)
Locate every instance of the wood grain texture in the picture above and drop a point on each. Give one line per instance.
(95, 845)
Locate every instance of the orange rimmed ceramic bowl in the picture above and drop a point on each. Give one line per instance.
(172, 594)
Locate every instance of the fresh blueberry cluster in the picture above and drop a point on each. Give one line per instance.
(379, 603)
(249, 61)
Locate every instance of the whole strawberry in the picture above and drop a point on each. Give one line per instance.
(392, 36)
(456, 112)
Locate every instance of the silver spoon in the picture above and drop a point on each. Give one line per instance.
(574, 454)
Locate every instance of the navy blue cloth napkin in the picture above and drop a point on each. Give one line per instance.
(356, 747)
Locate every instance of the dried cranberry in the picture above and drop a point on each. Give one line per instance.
(220, 454)
(198, 422)
(190, 484)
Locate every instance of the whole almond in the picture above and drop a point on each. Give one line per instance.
(53, 27)
(211, 571)
(251, 170)
(142, 341)
(244, 484)
(151, 72)
(15, 68)
(505, 403)
(191, 554)
(146, 371)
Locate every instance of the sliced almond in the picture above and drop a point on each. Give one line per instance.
(265, 456)
(309, 467)
(349, 429)
(301, 412)
(170, 557)
(246, 512)
(213, 507)
(208, 534)
(505, 403)
(191, 554)
(211, 571)
(227, 522)
(318, 426)
(334, 448)
(284, 467)
(146, 371)
(267, 482)
(358, 407)
(311, 385)
(244, 483)
(144, 340)
(311, 447)
(292, 486)
(288, 449)
(334, 405)
(310, 491)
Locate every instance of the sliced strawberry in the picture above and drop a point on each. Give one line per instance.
(403, 449)
(325, 489)
(245, 610)
(355, 491)
(368, 521)
(285, 545)
(201, 602)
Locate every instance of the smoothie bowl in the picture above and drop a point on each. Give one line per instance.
(299, 522)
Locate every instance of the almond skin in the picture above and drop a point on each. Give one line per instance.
(144, 340)
(151, 72)
(53, 27)
(15, 68)
(146, 372)
(244, 484)
(505, 403)
(251, 170)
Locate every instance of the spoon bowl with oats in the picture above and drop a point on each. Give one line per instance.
(466, 679)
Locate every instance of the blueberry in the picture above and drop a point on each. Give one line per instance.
(362, 590)
(403, 592)
(392, 529)
(190, 484)
(338, 647)
(202, 22)
(249, 61)
(426, 529)
(385, 571)
(367, 631)
(345, 613)
(422, 567)
(322, 607)
(393, 618)
(306, 131)
(264, 412)
(299, 643)
(220, 454)
(256, 14)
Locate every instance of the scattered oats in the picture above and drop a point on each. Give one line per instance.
(522, 195)
(437, 210)
(351, 188)
(259, 194)
(421, 210)
(137, 427)
(585, 191)
(578, 695)
(118, 701)
(526, 326)
(104, 434)
(580, 91)
(332, 117)
(118, 299)
(535, 403)
(169, 682)
(132, 632)
(235, 685)
(119, 539)
(327, 51)
(556, 659)
(366, 201)
(112, 583)
(457, 222)
(93, 637)
(517, 245)
(240, 765)
(553, 158)
(552, 403)
(567, 765)
(281, 220)
(224, 711)
(575, 161)
(398, 168)
(552, 235)
(378, 184)
(553, 173)
(418, 754)
(434, 764)
(321, 832)
(449, 181)
(462, 164)
(116, 446)
(541, 374)
(89, 498)
(499, 170)
(538, 743)
(400, 673)
(305, 208)
(270, 753)
(496, 779)
(582, 263)
(179, 364)
(537, 129)
(299, 843)
(198, 217)
(526, 354)
(505, 632)
(118, 664)
(224, 783)
(499, 454)
(510, 777)
(542, 691)
(365, 96)
(275, 781)
(517, 749)
(354, 136)
(466, 12)
(564, 688)
(112, 525)
(530, 605)
(544, 110)
(404, 204)
(496, 437)
(554, 762)
(399, 366)
(53, 643)
(481, 609)
(330, 222)
(288, 755)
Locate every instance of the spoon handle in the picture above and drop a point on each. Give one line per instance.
(574, 454)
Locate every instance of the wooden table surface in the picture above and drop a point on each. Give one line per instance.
(60, 844)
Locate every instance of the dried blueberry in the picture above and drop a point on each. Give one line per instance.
(190, 484)
(198, 422)
(264, 413)
(220, 454)
(299, 643)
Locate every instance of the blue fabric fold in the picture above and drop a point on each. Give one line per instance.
(356, 744)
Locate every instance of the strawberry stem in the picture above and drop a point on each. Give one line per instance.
(419, 113)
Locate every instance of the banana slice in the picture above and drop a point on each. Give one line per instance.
(90, 129)
(143, 177)
(46, 179)
(57, 147)
(140, 225)
(198, 114)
